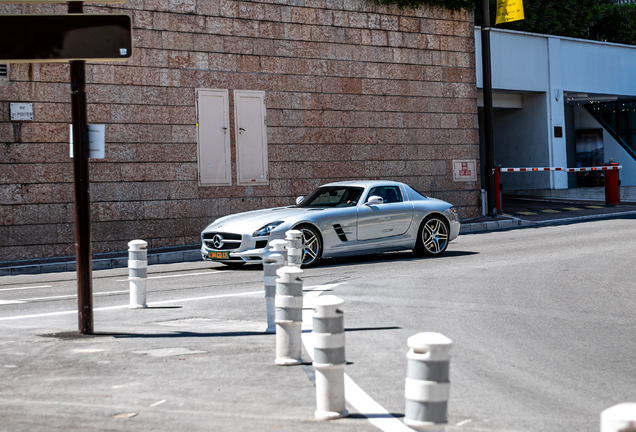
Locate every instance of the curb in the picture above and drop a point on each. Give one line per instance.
(515, 222)
(101, 263)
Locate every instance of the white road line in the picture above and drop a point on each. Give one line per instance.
(356, 397)
(70, 296)
(3, 302)
(126, 306)
(24, 288)
(179, 275)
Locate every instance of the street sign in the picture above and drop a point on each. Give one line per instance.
(62, 38)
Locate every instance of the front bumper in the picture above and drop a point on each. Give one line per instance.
(251, 249)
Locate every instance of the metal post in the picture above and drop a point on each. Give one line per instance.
(488, 114)
(272, 261)
(137, 273)
(294, 247)
(619, 418)
(81, 181)
(329, 357)
(289, 304)
(427, 381)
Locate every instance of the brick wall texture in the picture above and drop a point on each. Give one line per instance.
(353, 91)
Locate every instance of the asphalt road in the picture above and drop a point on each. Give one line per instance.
(542, 320)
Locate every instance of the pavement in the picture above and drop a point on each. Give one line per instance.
(527, 211)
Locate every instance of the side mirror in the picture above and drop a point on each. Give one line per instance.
(374, 200)
(300, 199)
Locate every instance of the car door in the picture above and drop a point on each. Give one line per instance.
(391, 218)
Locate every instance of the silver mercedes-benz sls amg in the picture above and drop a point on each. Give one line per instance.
(338, 219)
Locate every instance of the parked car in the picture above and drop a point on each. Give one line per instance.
(338, 219)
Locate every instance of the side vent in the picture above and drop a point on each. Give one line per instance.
(4, 71)
(341, 234)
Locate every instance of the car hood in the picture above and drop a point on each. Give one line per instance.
(253, 220)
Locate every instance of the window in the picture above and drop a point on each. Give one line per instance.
(390, 194)
(213, 137)
(251, 137)
(4, 71)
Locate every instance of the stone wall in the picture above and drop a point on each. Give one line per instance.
(353, 91)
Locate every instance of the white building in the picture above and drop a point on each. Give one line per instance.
(542, 90)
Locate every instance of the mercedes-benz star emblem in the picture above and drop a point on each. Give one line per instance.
(217, 241)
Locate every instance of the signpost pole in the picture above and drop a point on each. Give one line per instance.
(82, 198)
(490, 185)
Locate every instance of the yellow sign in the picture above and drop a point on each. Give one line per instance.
(509, 10)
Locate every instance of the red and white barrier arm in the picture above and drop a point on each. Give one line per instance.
(582, 169)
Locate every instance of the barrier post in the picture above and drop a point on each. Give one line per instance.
(289, 303)
(294, 247)
(619, 418)
(329, 357)
(272, 261)
(427, 385)
(279, 246)
(612, 190)
(137, 273)
(498, 190)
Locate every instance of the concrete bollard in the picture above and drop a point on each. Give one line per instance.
(427, 381)
(619, 418)
(294, 248)
(272, 261)
(329, 357)
(279, 246)
(137, 273)
(289, 319)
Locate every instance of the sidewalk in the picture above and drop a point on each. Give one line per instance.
(532, 210)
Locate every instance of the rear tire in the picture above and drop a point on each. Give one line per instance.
(312, 245)
(432, 237)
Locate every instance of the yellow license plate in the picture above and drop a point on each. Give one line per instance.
(218, 255)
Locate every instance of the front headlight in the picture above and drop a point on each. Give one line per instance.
(267, 229)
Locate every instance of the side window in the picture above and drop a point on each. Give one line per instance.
(251, 137)
(390, 194)
(213, 137)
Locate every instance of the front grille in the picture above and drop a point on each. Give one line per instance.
(230, 240)
(260, 244)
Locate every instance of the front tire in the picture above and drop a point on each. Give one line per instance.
(312, 245)
(432, 238)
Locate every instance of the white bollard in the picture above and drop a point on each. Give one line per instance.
(427, 381)
(137, 273)
(289, 304)
(329, 357)
(279, 246)
(272, 261)
(294, 248)
(619, 418)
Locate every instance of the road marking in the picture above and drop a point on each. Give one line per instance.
(70, 296)
(462, 423)
(23, 288)
(550, 211)
(47, 314)
(355, 396)
(527, 213)
(179, 275)
(158, 403)
(572, 208)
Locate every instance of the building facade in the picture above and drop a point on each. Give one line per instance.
(228, 106)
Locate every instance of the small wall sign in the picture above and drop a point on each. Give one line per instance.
(465, 170)
(21, 111)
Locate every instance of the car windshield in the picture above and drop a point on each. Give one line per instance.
(333, 196)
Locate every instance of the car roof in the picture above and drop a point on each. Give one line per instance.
(365, 183)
